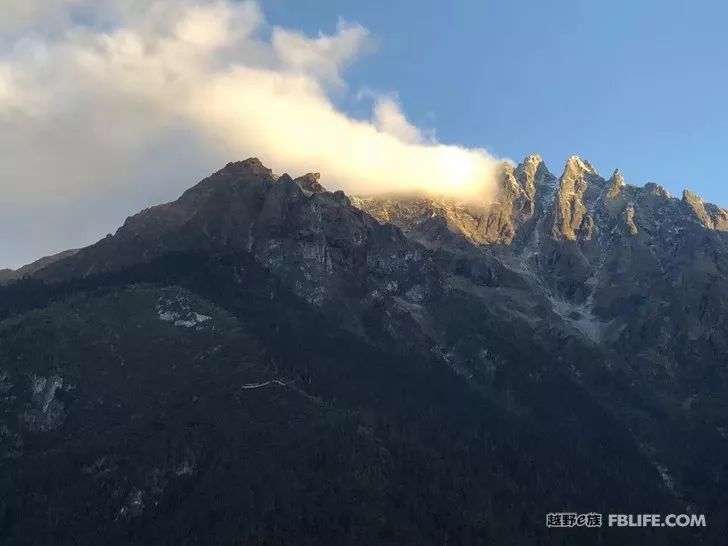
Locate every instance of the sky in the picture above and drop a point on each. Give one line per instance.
(111, 106)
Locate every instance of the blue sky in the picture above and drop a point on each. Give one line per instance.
(637, 85)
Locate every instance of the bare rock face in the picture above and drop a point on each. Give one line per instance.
(326, 250)
(310, 183)
(580, 186)
(432, 220)
(709, 215)
(629, 220)
(630, 268)
(616, 184)
(530, 173)
(512, 206)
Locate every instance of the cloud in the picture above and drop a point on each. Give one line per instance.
(22, 14)
(389, 118)
(323, 57)
(128, 102)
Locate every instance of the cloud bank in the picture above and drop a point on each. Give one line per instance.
(107, 105)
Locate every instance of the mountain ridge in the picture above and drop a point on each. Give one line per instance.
(526, 175)
(565, 300)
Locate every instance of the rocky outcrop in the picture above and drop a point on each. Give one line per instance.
(310, 183)
(615, 184)
(709, 215)
(579, 188)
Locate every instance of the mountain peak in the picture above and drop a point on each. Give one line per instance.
(577, 165)
(572, 218)
(617, 178)
(711, 216)
(531, 171)
(616, 183)
(531, 164)
(310, 183)
(252, 165)
(653, 188)
(505, 167)
(690, 197)
(507, 181)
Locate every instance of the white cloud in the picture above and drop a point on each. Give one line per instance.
(389, 118)
(323, 57)
(19, 14)
(112, 115)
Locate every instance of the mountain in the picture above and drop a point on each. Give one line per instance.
(263, 361)
(7, 275)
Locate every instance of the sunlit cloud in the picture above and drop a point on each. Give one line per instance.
(115, 96)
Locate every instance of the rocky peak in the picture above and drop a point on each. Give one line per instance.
(578, 176)
(615, 183)
(534, 160)
(532, 172)
(691, 198)
(617, 178)
(252, 166)
(285, 190)
(314, 241)
(653, 188)
(507, 183)
(711, 216)
(310, 183)
(576, 166)
(571, 217)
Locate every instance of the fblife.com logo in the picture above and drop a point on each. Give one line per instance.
(594, 519)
